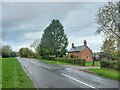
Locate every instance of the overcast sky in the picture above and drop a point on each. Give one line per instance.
(23, 22)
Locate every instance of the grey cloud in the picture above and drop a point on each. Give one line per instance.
(17, 35)
(27, 11)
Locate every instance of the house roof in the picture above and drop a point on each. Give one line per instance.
(78, 48)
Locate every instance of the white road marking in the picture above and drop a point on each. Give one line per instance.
(41, 65)
(79, 81)
(27, 73)
(45, 66)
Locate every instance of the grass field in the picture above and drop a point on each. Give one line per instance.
(107, 73)
(13, 75)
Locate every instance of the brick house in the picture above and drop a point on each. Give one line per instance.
(80, 52)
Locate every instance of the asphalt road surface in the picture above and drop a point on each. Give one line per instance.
(46, 75)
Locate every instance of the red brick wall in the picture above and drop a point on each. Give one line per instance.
(86, 54)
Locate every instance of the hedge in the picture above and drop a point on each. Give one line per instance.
(48, 58)
(80, 62)
(110, 64)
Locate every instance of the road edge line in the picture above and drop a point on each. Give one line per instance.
(27, 73)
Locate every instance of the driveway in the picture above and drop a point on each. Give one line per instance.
(46, 75)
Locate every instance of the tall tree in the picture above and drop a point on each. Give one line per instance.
(108, 20)
(54, 41)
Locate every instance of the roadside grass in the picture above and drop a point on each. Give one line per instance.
(97, 63)
(107, 73)
(13, 75)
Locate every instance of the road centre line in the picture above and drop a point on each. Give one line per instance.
(79, 81)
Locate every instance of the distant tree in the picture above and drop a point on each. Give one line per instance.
(108, 47)
(13, 54)
(35, 44)
(54, 40)
(26, 52)
(6, 51)
(108, 20)
(31, 53)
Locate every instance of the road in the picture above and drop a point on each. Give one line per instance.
(46, 75)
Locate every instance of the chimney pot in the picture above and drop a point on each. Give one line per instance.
(73, 45)
(85, 43)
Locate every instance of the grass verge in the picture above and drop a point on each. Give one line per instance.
(97, 63)
(13, 75)
(107, 73)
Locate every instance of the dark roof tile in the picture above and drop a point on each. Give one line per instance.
(78, 48)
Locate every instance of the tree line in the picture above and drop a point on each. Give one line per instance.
(6, 51)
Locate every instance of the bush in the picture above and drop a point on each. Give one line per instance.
(110, 64)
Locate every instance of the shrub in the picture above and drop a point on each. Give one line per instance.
(112, 64)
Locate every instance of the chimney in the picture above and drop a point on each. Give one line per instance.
(85, 43)
(73, 45)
